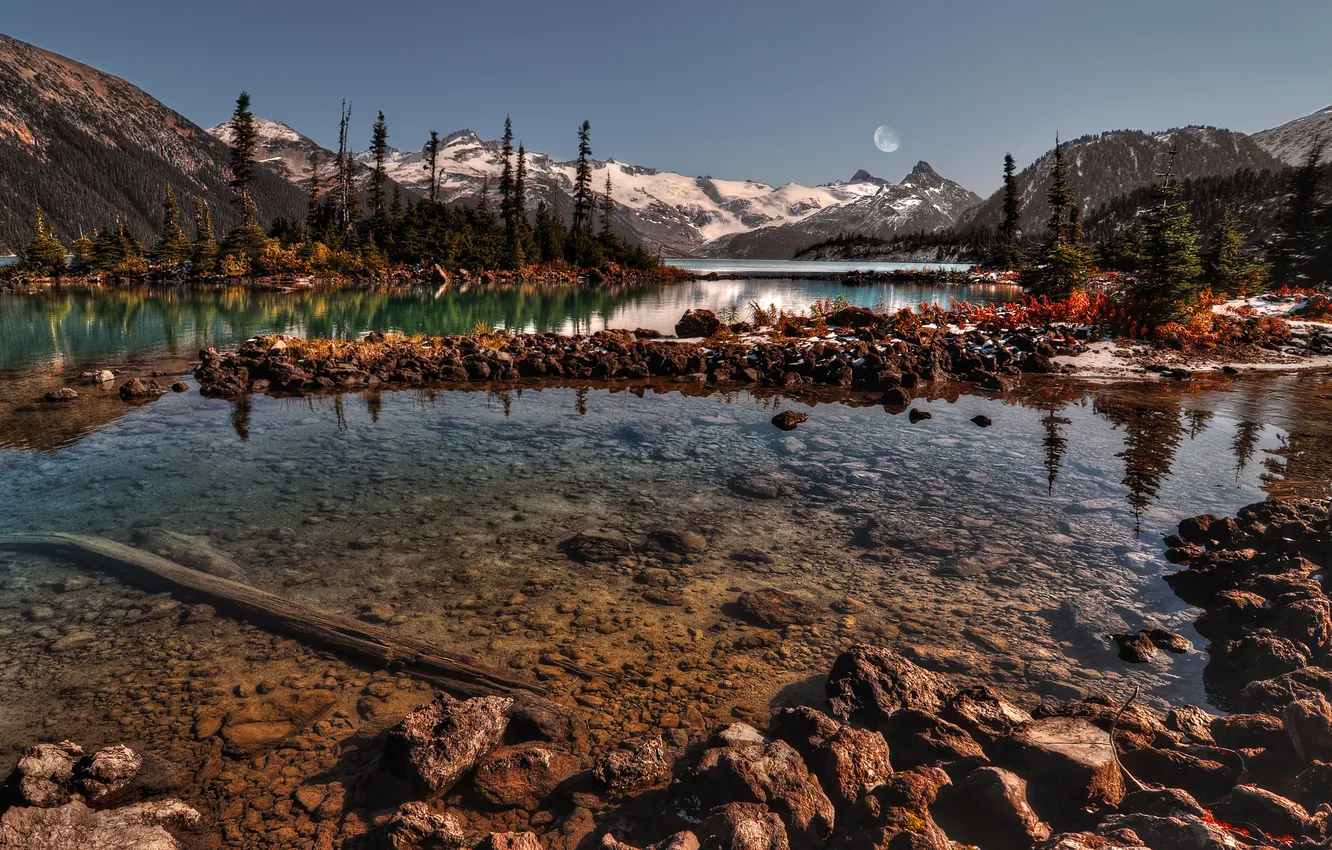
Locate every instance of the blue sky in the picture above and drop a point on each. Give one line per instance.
(771, 90)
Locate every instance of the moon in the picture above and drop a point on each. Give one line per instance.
(886, 139)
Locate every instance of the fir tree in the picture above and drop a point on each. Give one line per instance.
(1010, 256)
(432, 165)
(312, 207)
(173, 244)
(1171, 267)
(1297, 244)
(582, 214)
(244, 144)
(1229, 265)
(1064, 264)
(607, 211)
(82, 251)
(550, 234)
(379, 177)
(395, 209)
(520, 200)
(506, 180)
(44, 255)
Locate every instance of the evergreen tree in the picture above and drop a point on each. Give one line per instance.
(1122, 252)
(173, 245)
(607, 211)
(43, 255)
(1064, 264)
(1320, 270)
(432, 165)
(1230, 267)
(1010, 255)
(395, 209)
(582, 214)
(244, 144)
(1297, 242)
(379, 177)
(1171, 267)
(550, 234)
(520, 202)
(82, 250)
(312, 208)
(513, 249)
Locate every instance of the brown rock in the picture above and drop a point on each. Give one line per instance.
(623, 772)
(989, 808)
(110, 770)
(438, 744)
(74, 826)
(984, 714)
(774, 608)
(510, 841)
(1270, 812)
(1308, 723)
(918, 739)
(869, 684)
(521, 776)
(697, 323)
(137, 389)
(772, 774)
(1069, 765)
(787, 420)
(415, 826)
(44, 773)
(745, 826)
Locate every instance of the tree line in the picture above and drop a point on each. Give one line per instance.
(344, 234)
(1161, 247)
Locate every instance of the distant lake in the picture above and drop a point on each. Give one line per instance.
(796, 268)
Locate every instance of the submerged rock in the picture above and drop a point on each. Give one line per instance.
(774, 608)
(137, 389)
(435, 746)
(622, 772)
(787, 420)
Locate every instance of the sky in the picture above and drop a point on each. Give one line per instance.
(772, 90)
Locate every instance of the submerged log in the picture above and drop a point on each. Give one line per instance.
(304, 623)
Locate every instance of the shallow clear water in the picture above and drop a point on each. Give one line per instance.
(77, 326)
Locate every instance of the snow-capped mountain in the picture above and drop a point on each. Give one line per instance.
(1105, 166)
(923, 201)
(1292, 141)
(662, 210)
(91, 148)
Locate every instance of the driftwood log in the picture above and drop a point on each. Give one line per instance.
(311, 626)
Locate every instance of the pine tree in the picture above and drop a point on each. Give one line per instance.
(395, 209)
(379, 177)
(432, 165)
(550, 234)
(1298, 241)
(312, 207)
(582, 214)
(1171, 267)
(82, 251)
(43, 255)
(1229, 266)
(244, 144)
(513, 249)
(1064, 264)
(520, 200)
(173, 245)
(607, 211)
(1010, 256)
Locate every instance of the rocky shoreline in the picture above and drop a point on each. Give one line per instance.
(856, 350)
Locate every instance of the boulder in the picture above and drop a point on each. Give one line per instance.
(984, 714)
(1069, 765)
(623, 772)
(521, 776)
(1191, 722)
(1313, 786)
(1261, 655)
(787, 420)
(1248, 731)
(774, 608)
(1187, 832)
(1203, 778)
(679, 542)
(595, 549)
(697, 323)
(110, 770)
(74, 826)
(62, 394)
(44, 773)
(919, 739)
(869, 684)
(1308, 724)
(137, 389)
(509, 841)
(1272, 813)
(1162, 802)
(415, 826)
(745, 826)
(436, 745)
(772, 774)
(989, 808)
(897, 813)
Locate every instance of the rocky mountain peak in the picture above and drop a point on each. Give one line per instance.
(863, 176)
(924, 173)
